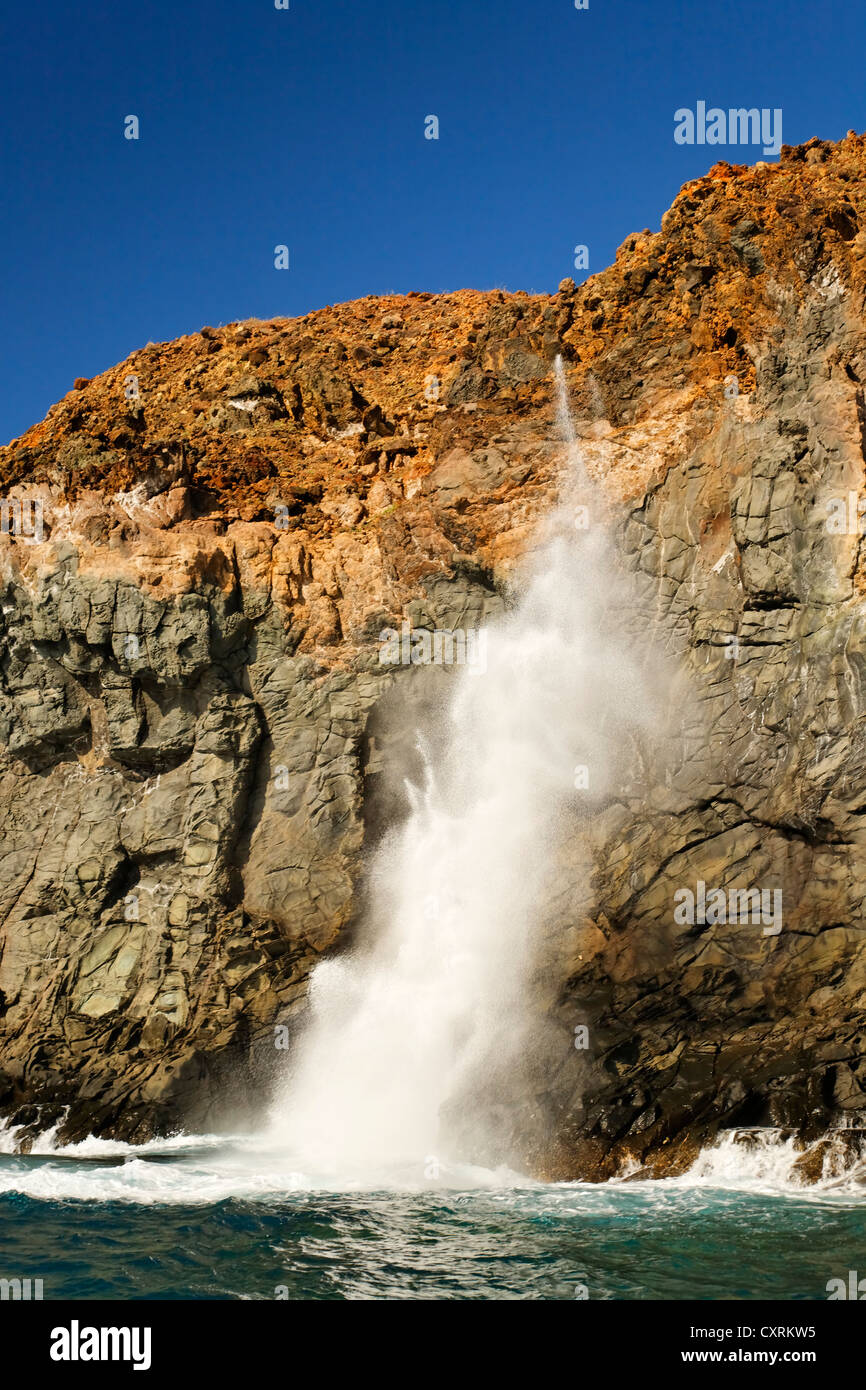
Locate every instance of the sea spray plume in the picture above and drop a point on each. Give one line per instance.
(417, 1038)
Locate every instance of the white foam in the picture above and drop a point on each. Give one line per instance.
(762, 1161)
(204, 1169)
(207, 1168)
(46, 1142)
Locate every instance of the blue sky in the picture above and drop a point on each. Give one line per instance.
(305, 127)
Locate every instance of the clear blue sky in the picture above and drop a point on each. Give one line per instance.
(305, 127)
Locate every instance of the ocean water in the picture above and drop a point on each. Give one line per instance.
(216, 1218)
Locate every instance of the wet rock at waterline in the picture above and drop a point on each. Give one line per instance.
(203, 749)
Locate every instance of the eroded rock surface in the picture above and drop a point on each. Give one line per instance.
(198, 731)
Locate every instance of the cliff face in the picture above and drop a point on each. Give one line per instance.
(198, 732)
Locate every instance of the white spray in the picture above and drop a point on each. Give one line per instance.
(431, 1006)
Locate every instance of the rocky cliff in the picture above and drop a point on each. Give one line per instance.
(201, 548)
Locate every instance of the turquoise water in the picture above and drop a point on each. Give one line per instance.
(183, 1221)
